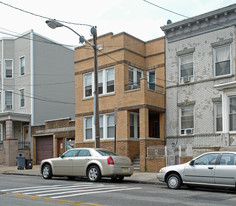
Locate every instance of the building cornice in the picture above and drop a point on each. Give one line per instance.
(208, 22)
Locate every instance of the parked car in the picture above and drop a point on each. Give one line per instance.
(88, 162)
(208, 169)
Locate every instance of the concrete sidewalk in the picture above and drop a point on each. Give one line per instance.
(137, 177)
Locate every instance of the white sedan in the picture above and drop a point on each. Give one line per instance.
(88, 162)
(217, 169)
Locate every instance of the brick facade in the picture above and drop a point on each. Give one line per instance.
(122, 52)
(58, 129)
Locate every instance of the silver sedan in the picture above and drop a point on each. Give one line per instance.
(209, 169)
(88, 162)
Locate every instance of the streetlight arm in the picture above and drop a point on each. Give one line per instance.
(55, 24)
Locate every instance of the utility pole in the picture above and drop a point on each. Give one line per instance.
(96, 105)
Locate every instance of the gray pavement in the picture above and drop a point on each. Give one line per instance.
(137, 177)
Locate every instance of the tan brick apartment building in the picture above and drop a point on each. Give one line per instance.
(131, 78)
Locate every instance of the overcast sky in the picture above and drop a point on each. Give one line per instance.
(135, 17)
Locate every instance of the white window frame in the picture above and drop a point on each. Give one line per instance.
(20, 66)
(12, 99)
(105, 127)
(1, 132)
(232, 96)
(20, 90)
(134, 84)
(186, 131)
(185, 79)
(230, 60)
(84, 91)
(216, 116)
(136, 125)
(5, 69)
(104, 82)
(148, 79)
(85, 118)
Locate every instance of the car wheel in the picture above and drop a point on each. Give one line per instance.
(94, 173)
(174, 181)
(71, 177)
(47, 171)
(121, 178)
(113, 179)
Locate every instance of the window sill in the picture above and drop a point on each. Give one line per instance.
(223, 76)
(100, 96)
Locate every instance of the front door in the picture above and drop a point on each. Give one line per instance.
(202, 170)
(60, 146)
(26, 133)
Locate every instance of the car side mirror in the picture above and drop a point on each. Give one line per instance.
(61, 155)
(191, 163)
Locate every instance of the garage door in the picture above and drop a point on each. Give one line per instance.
(44, 148)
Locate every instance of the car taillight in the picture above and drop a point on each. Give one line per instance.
(110, 161)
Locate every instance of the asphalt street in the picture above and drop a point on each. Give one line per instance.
(34, 190)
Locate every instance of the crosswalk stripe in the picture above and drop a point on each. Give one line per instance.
(50, 189)
(8, 190)
(81, 190)
(89, 193)
(61, 191)
(70, 189)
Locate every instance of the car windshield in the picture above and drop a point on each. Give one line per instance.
(106, 153)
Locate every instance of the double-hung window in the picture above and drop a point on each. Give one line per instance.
(151, 79)
(106, 81)
(88, 79)
(186, 68)
(134, 125)
(109, 80)
(101, 126)
(22, 66)
(110, 126)
(22, 97)
(218, 117)
(222, 60)
(232, 113)
(8, 100)
(187, 120)
(134, 78)
(106, 127)
(8, 68)
(88, 128)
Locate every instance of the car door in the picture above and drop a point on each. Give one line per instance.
(201, 170)
(80, 162)
(63, 165)
(225, 171)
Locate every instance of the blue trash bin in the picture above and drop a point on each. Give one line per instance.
(20, 162)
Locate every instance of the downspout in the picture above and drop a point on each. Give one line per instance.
(32, 74)
(2, 78)
(31, 119)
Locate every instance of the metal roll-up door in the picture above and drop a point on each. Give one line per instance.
(44, 148)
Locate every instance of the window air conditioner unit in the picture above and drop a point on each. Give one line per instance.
(8, 107)
(187, 131)
(186, 79)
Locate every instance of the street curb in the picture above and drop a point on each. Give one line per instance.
(131, 181)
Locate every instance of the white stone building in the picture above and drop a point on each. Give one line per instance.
(200, 82)
(37, 84)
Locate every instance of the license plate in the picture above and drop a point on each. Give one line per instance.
(125, 169)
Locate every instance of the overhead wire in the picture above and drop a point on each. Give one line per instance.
(44, 17)
(37, 97)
